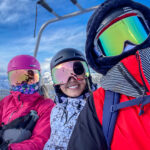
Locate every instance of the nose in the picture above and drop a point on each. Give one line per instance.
(72, 78)
(128, 46)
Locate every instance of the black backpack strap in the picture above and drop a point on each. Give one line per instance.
(109, 118)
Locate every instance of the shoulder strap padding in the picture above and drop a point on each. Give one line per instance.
(109, 118)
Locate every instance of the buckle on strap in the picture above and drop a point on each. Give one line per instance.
(113, 108)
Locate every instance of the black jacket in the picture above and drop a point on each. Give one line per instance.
(87, 134)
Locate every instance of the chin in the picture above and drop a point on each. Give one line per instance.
(73, 92)
(75, 95)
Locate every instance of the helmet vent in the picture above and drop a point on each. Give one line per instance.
(32, 65)
(126, 9)
(76, 54)
(58, 58)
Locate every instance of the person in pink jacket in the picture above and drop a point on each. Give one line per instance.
(24, 77)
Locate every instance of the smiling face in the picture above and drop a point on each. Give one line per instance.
(74, 87)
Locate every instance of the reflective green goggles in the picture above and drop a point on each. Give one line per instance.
(124, 30)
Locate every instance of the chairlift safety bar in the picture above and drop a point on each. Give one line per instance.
(58, 18)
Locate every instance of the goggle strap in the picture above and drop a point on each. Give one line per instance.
(115, 20)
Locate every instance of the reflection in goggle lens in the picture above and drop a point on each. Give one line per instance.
(18, 77)
(111, 40)
(62, 72)
(78, 68)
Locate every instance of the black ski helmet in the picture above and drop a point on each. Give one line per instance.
(64, 55)
(103, 64)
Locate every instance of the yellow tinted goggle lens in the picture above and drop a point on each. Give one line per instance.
(18, 77)
(130, 29)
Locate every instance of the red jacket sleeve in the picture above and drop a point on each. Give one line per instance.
(40, 134)
(98, 97)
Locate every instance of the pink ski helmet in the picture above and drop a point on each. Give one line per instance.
(23, 62)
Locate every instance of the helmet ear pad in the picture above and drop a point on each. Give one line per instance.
(59, 93)
(103, 64)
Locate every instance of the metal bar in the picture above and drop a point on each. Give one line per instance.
(58, 19)
(79, 6)
(75, 2)
(48, 8)
(55, 14)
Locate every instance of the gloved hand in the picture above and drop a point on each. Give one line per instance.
(4, 146)
(16, 135)
(25, 122)
(18, 130)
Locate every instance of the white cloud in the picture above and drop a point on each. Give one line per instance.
(3, 70)
(13, 10)
(48, 59)
(45, 66)
(51, 42)
(71, 37)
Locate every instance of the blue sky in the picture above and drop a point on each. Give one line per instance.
(17, 19)
(17, 26)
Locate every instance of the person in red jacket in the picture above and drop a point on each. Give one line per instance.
(117, 46)
(24, 77)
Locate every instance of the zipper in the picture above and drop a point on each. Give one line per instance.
(139, 65)
(15, 110)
